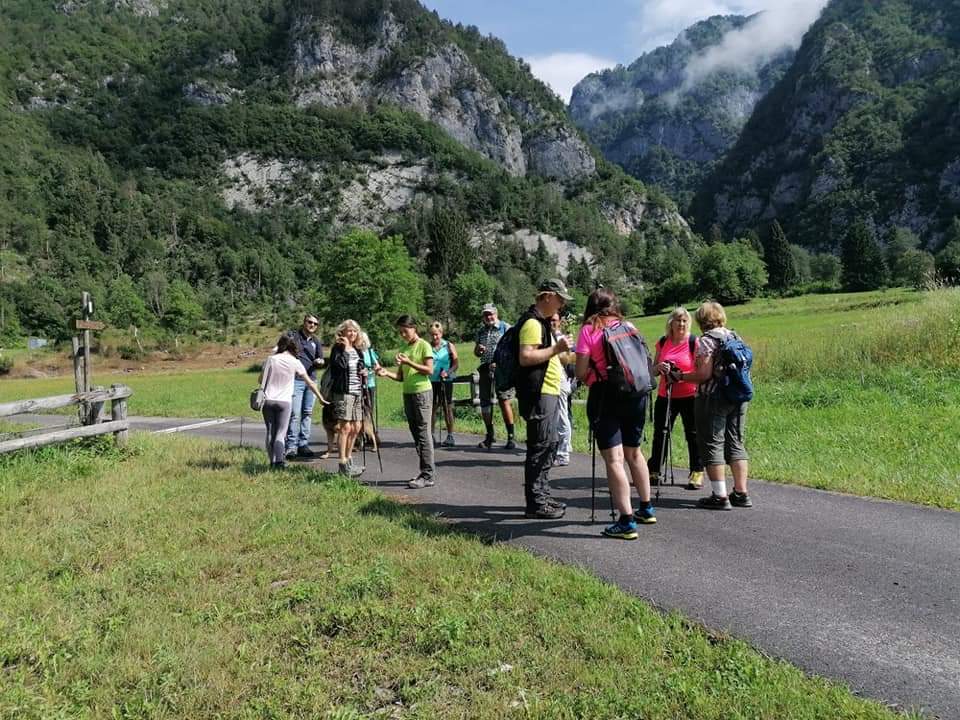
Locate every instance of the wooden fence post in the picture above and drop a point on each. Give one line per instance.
(118, 412)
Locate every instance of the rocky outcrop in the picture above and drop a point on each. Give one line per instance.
(634, 212)
(207, 93)
(442, 86)
(383, 189)
(564, 252)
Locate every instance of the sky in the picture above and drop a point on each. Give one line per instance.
(564, 40)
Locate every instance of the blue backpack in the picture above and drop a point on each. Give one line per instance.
(735, 358)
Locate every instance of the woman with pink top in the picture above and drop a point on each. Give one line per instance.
(616, 418)
(677, 350)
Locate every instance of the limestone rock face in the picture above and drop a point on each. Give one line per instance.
(563, 251)
(443, 86)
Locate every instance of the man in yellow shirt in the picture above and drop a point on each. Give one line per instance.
(538, 390)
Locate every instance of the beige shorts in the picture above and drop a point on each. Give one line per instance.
(347, 408)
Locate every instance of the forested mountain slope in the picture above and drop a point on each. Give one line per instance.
(189, 160)
(863, 126)
(665, 122)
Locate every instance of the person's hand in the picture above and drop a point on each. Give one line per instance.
(675, 373)
(402, 359)
(380, 371)
(318, 362)
(482, 349)
(341, 340)
(377, 368)
(443, 374)
(562, 345)
(663, 368)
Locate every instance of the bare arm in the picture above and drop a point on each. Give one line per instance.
(315, 390)
(583, 366)
(702, 372)
(532, 355)
(454, 358)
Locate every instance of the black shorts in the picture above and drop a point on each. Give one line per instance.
(616, 418)
(488, 388)
(444, 395)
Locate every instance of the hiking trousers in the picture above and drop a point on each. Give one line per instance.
(684, 407)
(418, 407)
(542, 442)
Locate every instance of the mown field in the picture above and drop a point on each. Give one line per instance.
(181, 579)
(857, 393)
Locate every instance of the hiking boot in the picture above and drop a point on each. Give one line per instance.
(715, 502)
(695, 480)
(510, 444)
(486, 443)
(449, 441)
(344, 469)
(420, 482)
(645, 515)
(738, 499)
(305, 452)
(290, 454)
(561, 462)
(545, 512)
(623, 529)
(654, 479)
(355, 470)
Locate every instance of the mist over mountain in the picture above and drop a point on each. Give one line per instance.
(863, 126)
(668, 116)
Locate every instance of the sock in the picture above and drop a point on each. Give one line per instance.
(719, 487)
(489, 426)
(509, 429)
(625, 519)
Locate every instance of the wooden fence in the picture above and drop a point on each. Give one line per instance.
(92, 402)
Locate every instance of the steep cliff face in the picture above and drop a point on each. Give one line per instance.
(664, 125)
(442, 85)
(863, 126)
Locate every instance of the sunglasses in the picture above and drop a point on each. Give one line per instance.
(311, 322)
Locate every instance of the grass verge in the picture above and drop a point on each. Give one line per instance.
(181, 579)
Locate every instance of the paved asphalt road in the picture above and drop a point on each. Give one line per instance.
(863, 591)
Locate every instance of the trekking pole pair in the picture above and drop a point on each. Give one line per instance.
(368, 399)
(666, 457)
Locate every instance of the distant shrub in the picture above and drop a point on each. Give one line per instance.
(6, 365)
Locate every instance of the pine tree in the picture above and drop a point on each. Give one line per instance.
(781, 267)
(864, 267)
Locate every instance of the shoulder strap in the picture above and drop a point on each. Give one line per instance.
(692, 344)
(661, 341)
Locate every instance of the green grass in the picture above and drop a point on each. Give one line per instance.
(857, 393)
(182, 579)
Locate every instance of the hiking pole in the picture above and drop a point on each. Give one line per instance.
(666, 456)
(376, 431)
(593, 474)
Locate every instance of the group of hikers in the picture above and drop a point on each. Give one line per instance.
(704, 380)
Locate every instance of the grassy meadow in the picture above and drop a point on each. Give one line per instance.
(858, 393)
(179, 578)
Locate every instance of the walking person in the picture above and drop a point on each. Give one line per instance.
(301, 403)
(676, 350)
(489, 334)
(616, 417)
(539, 378)
(721, 424)
(564, 414)
(348, 376)
(445, 365)
(414, 367)
(280, 370)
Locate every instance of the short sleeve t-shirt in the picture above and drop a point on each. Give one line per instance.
(488, 336)
(531, 333)
(413, 382)
(590, 342)
(680, 356)
(279, 370)
(708, 348)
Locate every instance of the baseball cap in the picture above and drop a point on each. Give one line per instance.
(488, 308)
(555, 285)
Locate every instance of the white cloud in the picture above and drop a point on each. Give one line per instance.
(659, 22)
(776, 29)
(562, 70)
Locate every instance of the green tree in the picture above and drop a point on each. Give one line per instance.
(899, 240)
(123, 305)
(730, 274)
(183, 313)
(825, 268)
(780, 262)
(449, 252)
(472, 289)
(948, 263)
(914, 268)
(801, 263)
(864, 267)
(371, 280)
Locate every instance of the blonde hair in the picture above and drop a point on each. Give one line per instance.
(711, 315)
(347, 325)
(678, 312)
(363, 342)
(437, 325)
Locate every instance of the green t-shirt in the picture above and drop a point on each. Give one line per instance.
(414, 382)
(531, 334)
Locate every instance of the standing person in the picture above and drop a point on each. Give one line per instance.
(301, 403)
(616, 417)
(539, 379)
(720, 424)
(348, 376)
(676, 350)
(564, 416)
(445, 365)
(277, 379)
(371, 361)
(414, 367)
(488, 336)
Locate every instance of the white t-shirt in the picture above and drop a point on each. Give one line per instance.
(279, 370)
